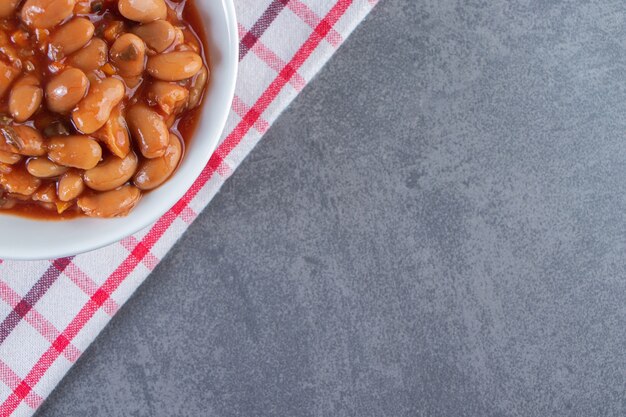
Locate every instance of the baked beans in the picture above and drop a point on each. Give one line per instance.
(97, 101)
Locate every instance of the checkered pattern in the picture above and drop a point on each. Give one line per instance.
(51, 311)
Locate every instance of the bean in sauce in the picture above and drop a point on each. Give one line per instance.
(97, 101)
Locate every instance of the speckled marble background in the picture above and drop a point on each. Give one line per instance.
(437, 227)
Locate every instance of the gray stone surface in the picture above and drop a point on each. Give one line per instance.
(435, 228)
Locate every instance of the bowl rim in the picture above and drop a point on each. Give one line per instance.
(183, 183)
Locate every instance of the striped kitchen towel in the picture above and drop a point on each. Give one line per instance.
(50, 311)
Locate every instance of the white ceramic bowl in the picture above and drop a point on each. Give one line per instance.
(26, 239)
